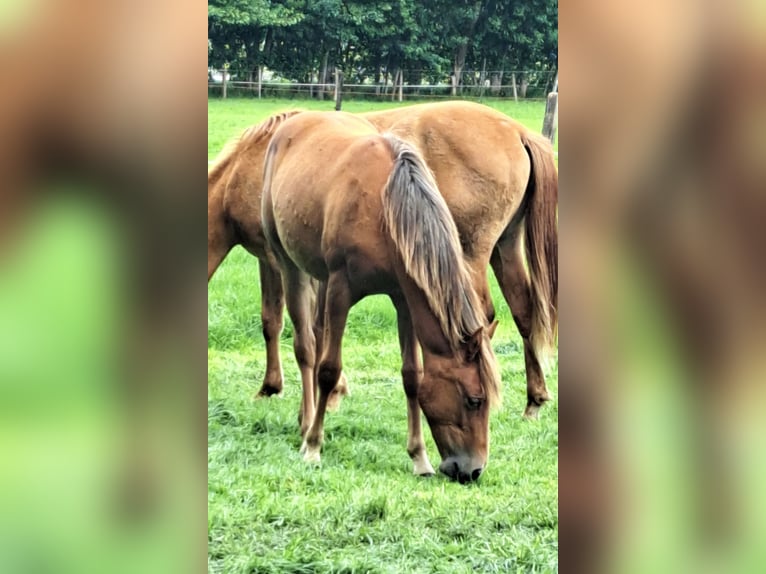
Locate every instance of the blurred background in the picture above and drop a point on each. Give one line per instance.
(102, 297)
(102, 300)
(662, 236)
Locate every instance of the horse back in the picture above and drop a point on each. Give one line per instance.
(478, 158)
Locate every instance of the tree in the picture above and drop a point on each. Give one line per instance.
(371, 40)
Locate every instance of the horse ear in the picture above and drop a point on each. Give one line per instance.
(491, 329)
(473, 345)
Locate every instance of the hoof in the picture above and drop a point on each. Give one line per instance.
(342, 386)
(426, 474)
(531, 413)
(422, 467)
(340, 390)
(310, 454)
(267, 391)
(333, 401)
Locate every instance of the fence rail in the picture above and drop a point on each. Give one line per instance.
(528, 85)
(545, 89)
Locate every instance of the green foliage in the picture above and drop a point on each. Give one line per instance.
(366, 39)
(361, 510)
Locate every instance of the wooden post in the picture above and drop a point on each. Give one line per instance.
(482, 78)
(323, 77)
(513, 83)
(260, 80)
(395, 84)
(401, 83)
(338, 88)
(223, 80)
(551, 120)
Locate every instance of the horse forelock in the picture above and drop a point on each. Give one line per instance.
(427, 238)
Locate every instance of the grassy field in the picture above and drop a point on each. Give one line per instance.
(361, 510)
(227, 118)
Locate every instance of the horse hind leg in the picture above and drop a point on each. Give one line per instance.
(337, 302)
(299, 297)
(341, 389)
(508, 265)
(272, 310)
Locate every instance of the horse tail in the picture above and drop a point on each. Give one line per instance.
(541, 242)
(426, 237)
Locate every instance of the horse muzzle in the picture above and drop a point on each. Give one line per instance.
(462, 470)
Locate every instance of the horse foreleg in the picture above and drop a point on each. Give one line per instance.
(412, 373)
(272, 308)
(337, 302)
(508, 264)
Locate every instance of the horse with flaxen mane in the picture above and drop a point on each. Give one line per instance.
(360, 212)
(499, 181)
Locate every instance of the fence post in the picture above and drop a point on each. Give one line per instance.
(260, 79)
(482, 77)
(401, 84)
(550, 123)
(338, 88)
(513, 83)
(223, 80)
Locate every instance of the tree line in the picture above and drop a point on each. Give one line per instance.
(409, 41)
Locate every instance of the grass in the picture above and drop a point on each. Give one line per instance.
(227, 118)
(361, 510)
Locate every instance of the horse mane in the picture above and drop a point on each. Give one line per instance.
(249, 136)
(426, 236)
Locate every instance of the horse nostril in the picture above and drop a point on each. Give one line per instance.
(476, 474)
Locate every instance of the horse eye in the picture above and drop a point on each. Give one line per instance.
(473, 403)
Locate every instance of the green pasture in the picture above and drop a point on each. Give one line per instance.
(361, 510)
(227, 118)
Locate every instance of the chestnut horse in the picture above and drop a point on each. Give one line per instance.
(499, 181)
(360, 212)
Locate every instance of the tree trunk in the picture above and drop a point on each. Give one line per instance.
(523, 86)
(459, 64)
(311, 85)
(482, 76)
(323, 77)
(495, 81)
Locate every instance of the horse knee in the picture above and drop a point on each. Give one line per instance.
(271, 328)
(327, 377)
(411, 380)
(304, 351)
